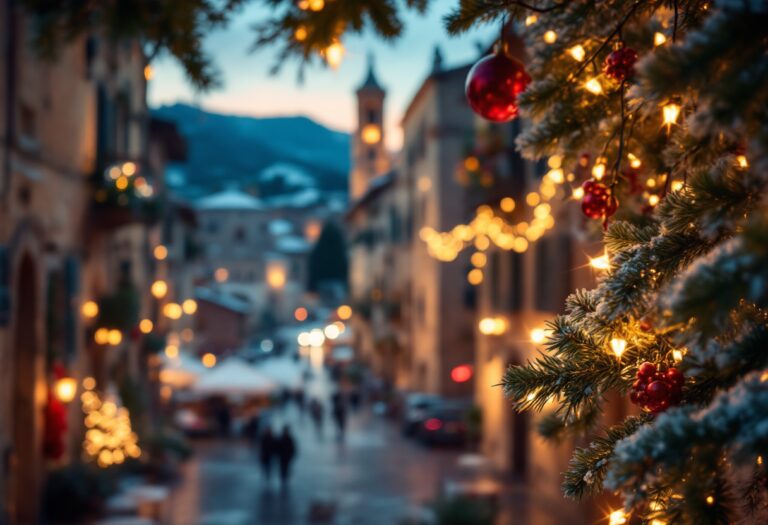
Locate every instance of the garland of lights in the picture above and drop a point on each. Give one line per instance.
(109, 439)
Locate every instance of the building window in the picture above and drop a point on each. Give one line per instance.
(373, 116)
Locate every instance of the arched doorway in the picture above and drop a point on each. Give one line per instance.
(24, 501)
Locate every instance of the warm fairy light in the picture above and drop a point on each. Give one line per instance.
(121, 183)
(129, 169)
(710, 500)
(478, 259)
(617, 517)
(658, 39)
(146, 326)
(160, 252)
(507, 204)
(114, 337)
(532, 199)
(187, 335)
(90, 309)
(530, 20)
(670, 112)
(371, 134)
(276, 277)
(303, 339)
(556, 175)
(331, 332)
(171, 351)
(475, 277)
(598, 171)
(189, 306)
(600, 263)
(653, 200)
(303, 4)
(550, 37)
(208, 360)
(593, 86)
(578, 193)
(65, 389)
(221, 275)
(159, 289)
(344, 312)
(316, 5)
(300, 34)
(334, 54)
(173, 311)
(759, 460)
(677, 185)
(472, 163)
(634, 162)
(742, 160)
(577, 52)
(109, 439)
(492, 325)
(651, 183)
(101, 336)
(300, 314)
(148, 72)
(538, 335)
(677, 355)
(618, 346)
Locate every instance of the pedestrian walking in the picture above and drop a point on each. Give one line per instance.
(286, 452)
(317, 412)
(267, 452)
(340, 414)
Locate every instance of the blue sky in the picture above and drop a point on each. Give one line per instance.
(325, 95)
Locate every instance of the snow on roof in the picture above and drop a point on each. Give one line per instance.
(283, 370)
(291, 174)
(236, 377)
(230, 199)
(279, 227)
(223, 299)
(299, 199)
(292, 244)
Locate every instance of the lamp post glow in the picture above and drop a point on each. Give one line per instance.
(65, 389)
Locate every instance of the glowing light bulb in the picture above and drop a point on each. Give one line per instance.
(550, 37)
(507, 204)
(171, 351)
(478, 259)
(173, 311)
(332, 332)
(598, 171)
(653, 200)
(532, 199)
(208, 360)
(121, 183)
(600, 263)
(160, 252)
(344, 312)
(300, 34)
(530, 20)
(618, 346)
(90, 309)
(742, 160)
(578, 193)
(634, 162)
(538, 335)
(189, 306)
(316, 5)
(617, 517)
(65, 389)
(129, 169)
(475, 277)
(677, 185)
(677, 355)
(148, 72)
(334, 54)
(114, 337)
(146, 326)
(577, 52)
(710, 500)
(670, 112)
(221, 275)
(658, 39)
(159, 289)
(371, 134)
(472, 163)
(593, 86)
(556, 175)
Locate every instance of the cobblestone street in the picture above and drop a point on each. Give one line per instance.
(375, 477)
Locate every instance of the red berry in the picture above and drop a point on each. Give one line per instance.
(657, 391)
(620, 64)
(646, 371)
(633, 396)
(675, 377)
(645, 326)
(638, 384)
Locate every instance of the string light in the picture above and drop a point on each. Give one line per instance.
(550, 37)
(577, 52)
(171, 351)
(710, 500)
(189, 306)
(334, 54)
(677, 185)
(634, 162)
(617, 517)
(129, 169)
(593, 86)
(742, 160)
(578, 193)
(507, 204)
(300, 34)
(493, 326)
(65, 389)
(598, 171)
(160, 252)
(148, 72)
(600, 263)
(114, 337)
(475, 276)
(159, 289)
(530, 20)
(618, 346)
(173, 311)
(109, 440)
(90, 309)
(146, 326)
(344, 312)
(316, 5)
(478, 259)
(653, 200)
(221, 275)
(670, 112)
(677, 355)
(538, 335)
(101, 336)
(658, 39)
(208, 360)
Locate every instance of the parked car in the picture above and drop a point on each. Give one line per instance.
(415, 407)
(444, 424)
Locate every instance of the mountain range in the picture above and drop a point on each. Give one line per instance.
(231, 150)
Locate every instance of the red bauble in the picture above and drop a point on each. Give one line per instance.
(54, 428)
(620, 64)
(598, 202)
(493, 85)
(655, 390)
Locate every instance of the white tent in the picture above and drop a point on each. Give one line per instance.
(235, 377)
(287, 372)
(181, 371)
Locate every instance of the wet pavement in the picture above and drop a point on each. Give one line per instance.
(374, 477)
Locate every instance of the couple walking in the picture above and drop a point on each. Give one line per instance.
(277, 448)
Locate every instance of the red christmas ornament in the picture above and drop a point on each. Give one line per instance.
(493, 85)
(656, 390)
(620, 64)
(598, 201)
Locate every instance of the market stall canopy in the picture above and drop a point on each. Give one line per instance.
(287, 372)
(181, 371)
(235, 377)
